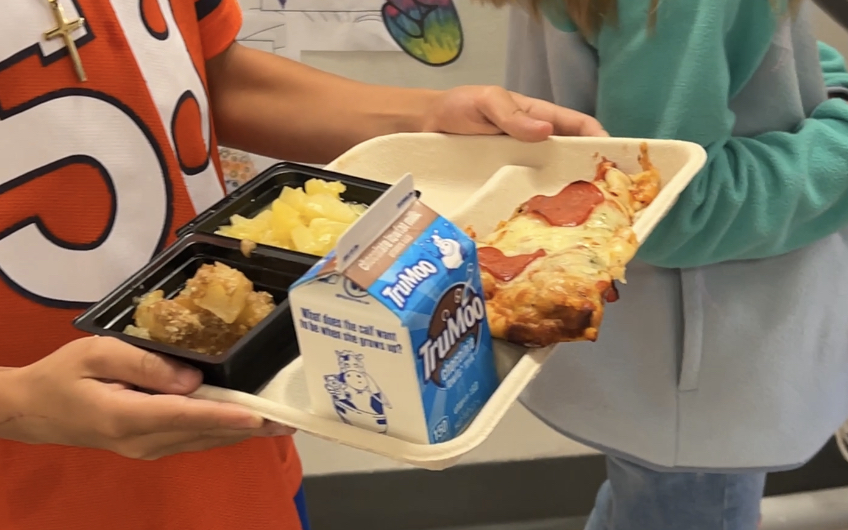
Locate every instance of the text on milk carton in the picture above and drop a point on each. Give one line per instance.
(453, 335)
(393, 242)
(363, 335)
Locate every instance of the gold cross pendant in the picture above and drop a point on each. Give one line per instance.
(63, 30)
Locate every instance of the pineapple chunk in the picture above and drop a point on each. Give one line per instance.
(240, 228)
(319, 187)
(308, 219)
(304, 241)
(284, 220)
(294, 197)
(327, 232)
(263, 219)
(328, 207)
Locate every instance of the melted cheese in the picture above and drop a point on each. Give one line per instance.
(526, 234)
(587, 249)
(618, 184)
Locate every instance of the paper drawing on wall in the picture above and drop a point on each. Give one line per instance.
(290, 27)
(428, 30)
(356, 396)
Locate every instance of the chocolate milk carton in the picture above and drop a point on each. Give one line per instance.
(392, 325)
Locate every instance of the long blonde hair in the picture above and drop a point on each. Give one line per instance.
(590, 15)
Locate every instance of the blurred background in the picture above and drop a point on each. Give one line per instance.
(525, 477)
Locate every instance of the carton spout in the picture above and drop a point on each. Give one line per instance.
(379, 216)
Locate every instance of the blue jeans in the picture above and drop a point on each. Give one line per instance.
(637, 498)
(300, 504)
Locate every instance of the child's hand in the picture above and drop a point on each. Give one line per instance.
(84, 395)
(493, 110)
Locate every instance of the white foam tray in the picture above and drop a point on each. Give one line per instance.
(478, 181)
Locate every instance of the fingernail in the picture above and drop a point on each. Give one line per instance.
(188, 378)
(275, 429)
(249, 422)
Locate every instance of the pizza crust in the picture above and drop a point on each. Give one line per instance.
(548, 303)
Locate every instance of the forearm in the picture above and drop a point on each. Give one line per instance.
(756, 197)
(279, 108)
(833, 69)
(8, 401)
(760, 197)
(765, 196)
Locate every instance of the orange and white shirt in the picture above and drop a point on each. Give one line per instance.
(95, 177)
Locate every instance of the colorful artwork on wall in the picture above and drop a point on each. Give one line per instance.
(427, 30)
(430, 31)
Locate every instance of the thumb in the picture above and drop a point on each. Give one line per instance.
(524, 127)
(565, 121)
(115, 360)
(499, 107)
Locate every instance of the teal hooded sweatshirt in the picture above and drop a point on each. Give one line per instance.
(728, 350)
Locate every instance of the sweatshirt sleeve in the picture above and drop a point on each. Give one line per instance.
(835, 75)
(756, 197)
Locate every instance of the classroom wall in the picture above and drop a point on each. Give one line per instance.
(520, 436)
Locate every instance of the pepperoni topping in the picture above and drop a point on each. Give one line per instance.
(570, 207)
(502, 267)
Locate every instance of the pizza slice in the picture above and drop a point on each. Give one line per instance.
(548, 270)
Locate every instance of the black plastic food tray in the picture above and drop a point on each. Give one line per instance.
(260, 192)
(252, 361)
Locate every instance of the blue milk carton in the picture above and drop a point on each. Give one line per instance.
(392, 325)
